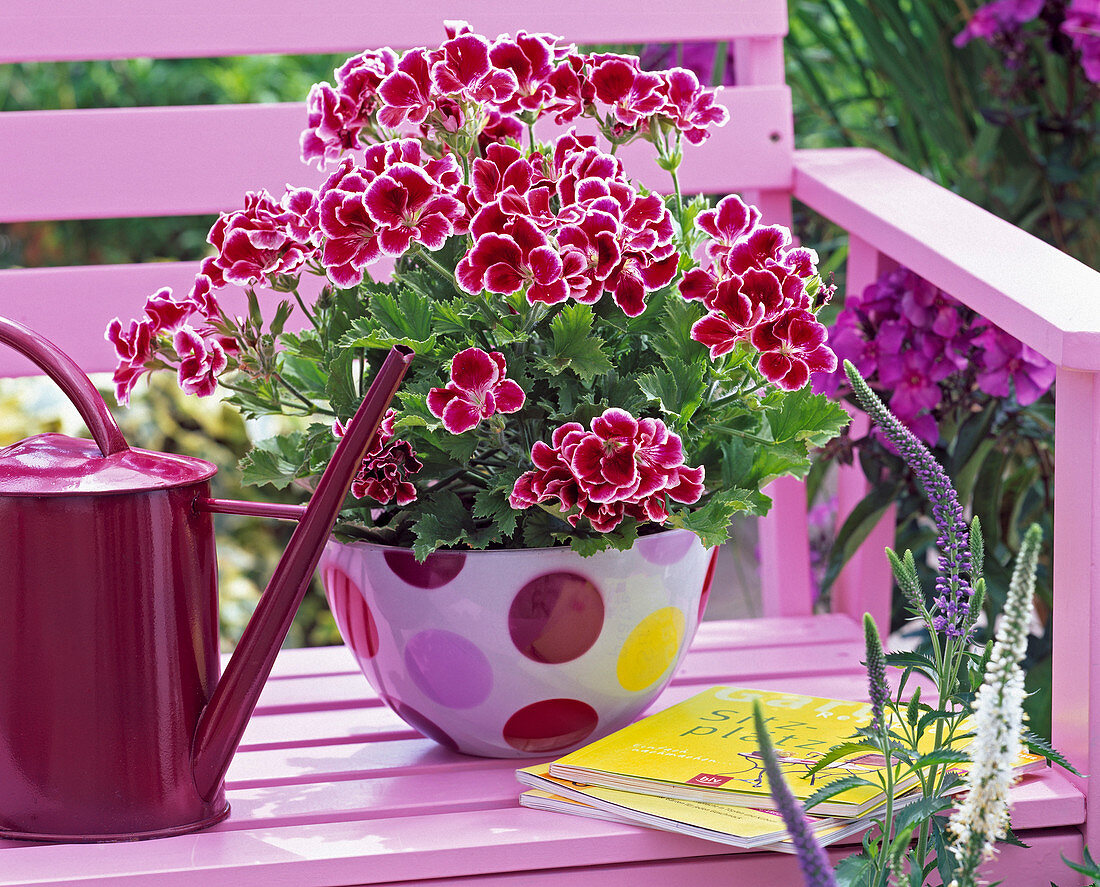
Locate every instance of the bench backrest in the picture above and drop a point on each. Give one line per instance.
(171, 161)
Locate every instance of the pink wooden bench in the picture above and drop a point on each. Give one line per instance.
(331, 788)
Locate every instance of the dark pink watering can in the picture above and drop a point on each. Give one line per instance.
(113, 722)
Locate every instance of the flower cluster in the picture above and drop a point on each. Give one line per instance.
(754, 290)
(982, 819)
(1003, 24)
(621, 467)
(915, 341)
(475, 88)
(556, 306)
(175, 330)
(387, 465)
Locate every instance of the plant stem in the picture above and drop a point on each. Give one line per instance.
(443, 271)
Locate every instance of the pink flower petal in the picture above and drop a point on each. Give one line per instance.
(474, 370)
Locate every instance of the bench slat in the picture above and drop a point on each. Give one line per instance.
(136, 162)
(105, 29)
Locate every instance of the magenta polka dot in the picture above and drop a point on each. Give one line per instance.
(352, 615)
(421, 724)
(556, 617)
(666, 548)
(707, 581)
(550, 725)
(439, 568)
(448, 669)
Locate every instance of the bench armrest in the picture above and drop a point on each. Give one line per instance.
(1030, 289)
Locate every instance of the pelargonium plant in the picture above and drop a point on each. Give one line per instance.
(593, 359)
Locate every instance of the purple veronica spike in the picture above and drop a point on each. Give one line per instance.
(876, 672)
(951, 606)
(811, 858)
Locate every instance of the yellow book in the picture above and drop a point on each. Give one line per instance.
(744, 827)
(705, 749)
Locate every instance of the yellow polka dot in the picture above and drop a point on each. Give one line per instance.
(651, 648)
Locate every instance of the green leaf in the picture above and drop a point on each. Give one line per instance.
(574, 347)
(679, 388)
(711, 521)
(493, 505)
(835, 788)
(843, 750)
(778, 460)
(857, 870)
(341, 389)
(805, 416)
(941, 756)
(1038, 745)
(276, 461)
(407, 315)
(366, 333)
(447, 523)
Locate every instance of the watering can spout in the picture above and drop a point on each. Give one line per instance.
(223, 721)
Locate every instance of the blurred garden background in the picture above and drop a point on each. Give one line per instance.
(998, 102)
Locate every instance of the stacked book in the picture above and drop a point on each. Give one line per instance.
(695, 768)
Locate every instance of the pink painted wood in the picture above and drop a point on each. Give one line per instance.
(330, 787)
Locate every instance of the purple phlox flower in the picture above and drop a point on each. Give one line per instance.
(908, 376)
(952, 604)
(1004, 358)
(1082, 26)
(998, 18)
(812, 860)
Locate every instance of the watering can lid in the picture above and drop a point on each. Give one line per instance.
(55, 464)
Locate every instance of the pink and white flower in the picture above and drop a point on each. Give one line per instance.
(478, 389)
(133, 348)
(621, 467)
(384, 473)
(202, 359)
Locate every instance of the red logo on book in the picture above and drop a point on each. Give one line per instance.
(709, 779)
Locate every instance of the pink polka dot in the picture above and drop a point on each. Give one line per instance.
(550, 725)
(352, 615)
(439, 569)
(669, 547)
(448, 669)
(707, 581)
(420, 723)
(556, 617)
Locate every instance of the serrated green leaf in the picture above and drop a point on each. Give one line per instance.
(835, 788)
(276, 461)
(493, 505)
(1038, 745)
(446, 523)
(404, 315)
(574, 347)
(711, 521)
(844, 750)
(365, 333)
(341, 389)
(804, 416)
(678, 388)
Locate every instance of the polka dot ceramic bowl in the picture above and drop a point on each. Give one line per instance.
(519, 653)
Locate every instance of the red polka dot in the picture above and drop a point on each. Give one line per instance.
(705, 596)
(556, 617)
(550, 725)
(352, 615)
(420, 723)
(439, 568)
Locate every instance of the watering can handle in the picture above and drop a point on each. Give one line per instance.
(71, 379)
